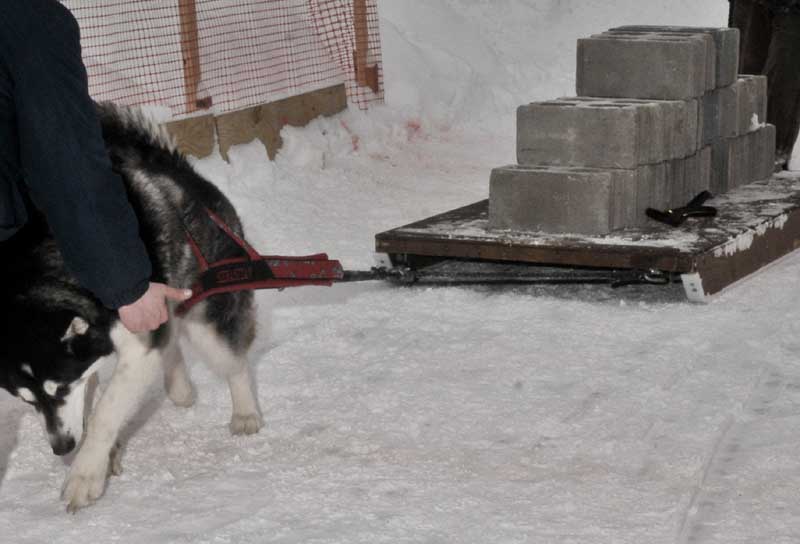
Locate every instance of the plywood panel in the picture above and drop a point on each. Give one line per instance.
(194, 136)
(265, 122)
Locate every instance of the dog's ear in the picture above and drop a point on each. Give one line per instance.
(86, 341)
(77, 327)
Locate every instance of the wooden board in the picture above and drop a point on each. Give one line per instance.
(190, 53)
(266, 121)
(195, 135)
(756, 224)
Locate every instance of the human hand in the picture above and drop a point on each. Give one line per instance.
(150, 311)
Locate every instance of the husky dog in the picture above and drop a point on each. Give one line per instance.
(54, 333)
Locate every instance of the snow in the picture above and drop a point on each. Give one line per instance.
(542, 414)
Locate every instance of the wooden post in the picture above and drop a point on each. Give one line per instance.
(366, 76)
(190, 52)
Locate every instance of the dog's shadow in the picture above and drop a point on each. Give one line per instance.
(10, 417)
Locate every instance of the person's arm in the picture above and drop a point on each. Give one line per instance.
(66, 166)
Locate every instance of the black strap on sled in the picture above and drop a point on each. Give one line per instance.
(676, 216)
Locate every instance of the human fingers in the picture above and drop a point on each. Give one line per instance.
(175, 294)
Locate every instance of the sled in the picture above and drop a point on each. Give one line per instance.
(754, 225)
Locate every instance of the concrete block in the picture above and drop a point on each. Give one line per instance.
(661, 188)
(626, 195)
(689, 127)
(704, 182)
(720, 158)
(751, 94)
(560, 199)
(645, 65)
(740, 170)
(697, 174)
(719, 111)
(728, 104)
(647, 183)
(709, 72)
(742, 159)
(605, 133)
(726, 47)
(690, 175)
(764, 159)
(676, 178)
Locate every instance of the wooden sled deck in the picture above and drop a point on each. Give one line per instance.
(756, 224)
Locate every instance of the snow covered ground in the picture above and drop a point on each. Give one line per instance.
(453, 415)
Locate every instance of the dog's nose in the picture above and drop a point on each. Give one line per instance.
(62, 445)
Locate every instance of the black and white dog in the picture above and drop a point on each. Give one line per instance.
(55, 334)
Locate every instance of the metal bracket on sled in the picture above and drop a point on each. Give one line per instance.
(693, 286)
(475, 272)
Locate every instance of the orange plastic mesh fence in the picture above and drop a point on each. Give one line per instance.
(221, 56)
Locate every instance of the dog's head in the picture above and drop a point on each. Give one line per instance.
(47, 356)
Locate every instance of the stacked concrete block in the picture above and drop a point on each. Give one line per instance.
(726, 50)
(561, 199)
(605, 133)
(660, 116)
(743, 159)
(734, 110)
(590, 200)
(656, 65)
(742, 109)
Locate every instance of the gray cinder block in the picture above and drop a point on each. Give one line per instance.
(728, 104)
(697, 175)
(751, 94)
(605, 133)
(676, 178)
(730, 111)
(560, 199)
(766, 147)
(726, 47)
(720, 155)
(738, 161)
(751, 156)
(720, 114)
(660, 186)
(645, 65)
(705, 170)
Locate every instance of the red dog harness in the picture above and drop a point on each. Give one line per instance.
(255, 271)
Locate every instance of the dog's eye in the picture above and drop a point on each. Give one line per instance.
(50, 387)
(55, 389)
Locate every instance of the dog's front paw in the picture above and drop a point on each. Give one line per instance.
(83, 487)
(246, 423)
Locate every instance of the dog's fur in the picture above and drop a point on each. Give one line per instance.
(54, 333)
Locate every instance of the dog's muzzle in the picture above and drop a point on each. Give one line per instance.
(62, 445)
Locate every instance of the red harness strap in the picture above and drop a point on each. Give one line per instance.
(255, 271)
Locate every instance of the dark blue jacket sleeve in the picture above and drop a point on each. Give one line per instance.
(62, 155)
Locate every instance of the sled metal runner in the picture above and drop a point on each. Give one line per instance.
(754, 225)
(453, 272)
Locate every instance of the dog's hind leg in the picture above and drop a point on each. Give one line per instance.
(138, 367)
(219, 354)
(176, 377)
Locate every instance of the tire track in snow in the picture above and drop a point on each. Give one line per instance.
(703, 512)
